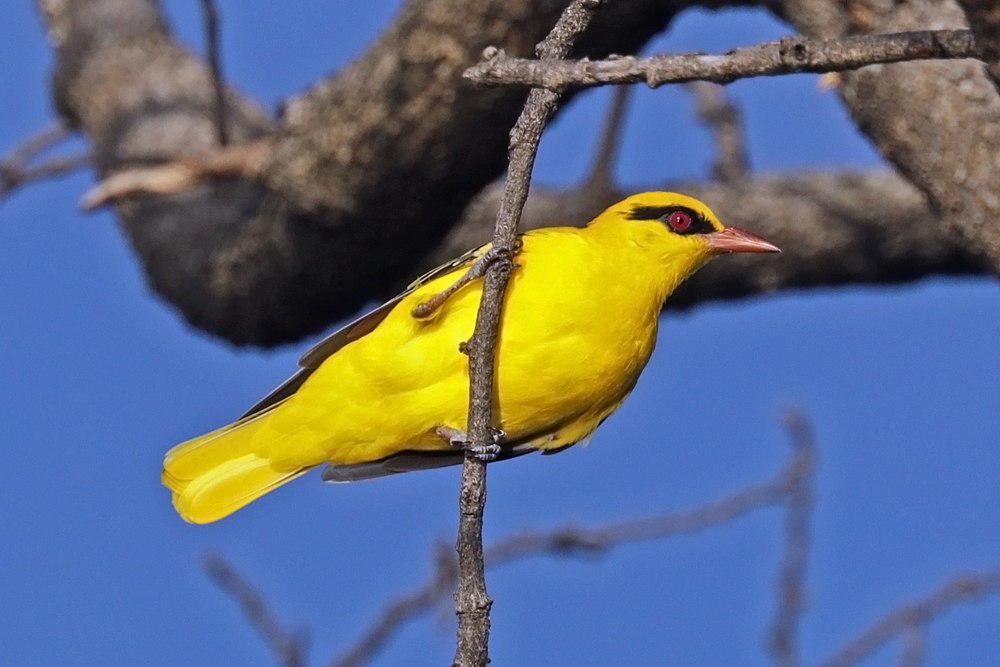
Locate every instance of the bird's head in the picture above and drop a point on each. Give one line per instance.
(677, 232)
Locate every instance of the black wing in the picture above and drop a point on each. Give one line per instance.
(409, 460)
(359, 328)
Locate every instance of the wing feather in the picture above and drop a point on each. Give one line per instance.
(409, 461)
(359, 328)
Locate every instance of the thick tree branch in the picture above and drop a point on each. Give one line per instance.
(239, 161)
(573, 540)
(472, 604)
(289, 648)
(936, 121)
(790, 55)
(960, 590)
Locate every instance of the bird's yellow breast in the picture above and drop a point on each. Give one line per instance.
(579, 324)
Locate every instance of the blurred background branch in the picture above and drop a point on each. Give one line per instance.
(722, 118)
(289, 648)
(784, 643)
(23, 165)
(963, 589)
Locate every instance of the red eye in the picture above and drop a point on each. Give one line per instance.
(680, 221)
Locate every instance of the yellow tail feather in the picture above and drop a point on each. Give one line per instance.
(214, 475)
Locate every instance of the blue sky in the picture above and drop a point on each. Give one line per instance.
(101, 378)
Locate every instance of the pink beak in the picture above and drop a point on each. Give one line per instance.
(731, 239)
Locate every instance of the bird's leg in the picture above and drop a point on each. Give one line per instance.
(477, 270)
(459, 439)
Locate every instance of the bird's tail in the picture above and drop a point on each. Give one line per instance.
(214, 475)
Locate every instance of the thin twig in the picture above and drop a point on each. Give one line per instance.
(722, 117)
(798, 509)
(788, 56)
(472, 603)
(602, 170)
(36, 144)
(289, 648)
(959, 590)
(11, 179)
(212, 45)
(569, 540)
(404, 608)
(16, 169)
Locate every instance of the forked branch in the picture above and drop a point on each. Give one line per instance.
(22, 164)
(962, 589)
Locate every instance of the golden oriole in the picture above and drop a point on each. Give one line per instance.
(389, 393)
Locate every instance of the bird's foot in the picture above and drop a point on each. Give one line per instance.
(425, 309)
(459, 439)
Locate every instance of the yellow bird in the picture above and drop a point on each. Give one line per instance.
(389, 393)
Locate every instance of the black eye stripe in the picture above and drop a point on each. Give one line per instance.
(699, 225)
(652, 212)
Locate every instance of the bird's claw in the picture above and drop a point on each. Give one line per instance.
(460, 440)
(490, 452)
(484, 453)
(425, 309)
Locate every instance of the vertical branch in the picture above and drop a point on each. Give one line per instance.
(798, 508)
(211, 16)
(722, 117)
(472, 603)
(602, 171)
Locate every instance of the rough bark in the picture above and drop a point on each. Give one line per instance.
(791, 55)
